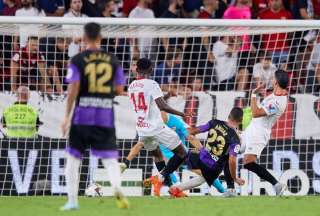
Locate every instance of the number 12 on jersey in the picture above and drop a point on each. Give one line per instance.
(139, 101)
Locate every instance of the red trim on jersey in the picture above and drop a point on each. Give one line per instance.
(285, 94)
(140, 77)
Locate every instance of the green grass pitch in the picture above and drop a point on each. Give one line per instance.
(150, 206)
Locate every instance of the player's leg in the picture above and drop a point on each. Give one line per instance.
(252, 152)
(134, 151)
(192, 162)
(160, 164)
(152, 145)
(167, 154)
(194, 166)
(74, 153)
(103, 145)
(230, 192)
(171, 141)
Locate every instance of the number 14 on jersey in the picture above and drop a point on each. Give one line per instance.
(139, 101)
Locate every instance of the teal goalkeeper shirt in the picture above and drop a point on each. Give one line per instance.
(180, 127)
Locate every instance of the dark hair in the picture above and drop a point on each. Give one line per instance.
(236, 114)
(144, 66)
(33, 38)
(103, 4)
(282, 78)
(92, 31)
(265, 55)
(173, 53)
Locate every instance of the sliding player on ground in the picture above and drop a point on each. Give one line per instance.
(147, 101)
(94, 77)
(180, 127)
(257, 134)
(221, 149)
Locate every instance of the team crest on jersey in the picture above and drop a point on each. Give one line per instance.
(69, 73)
(271, 108)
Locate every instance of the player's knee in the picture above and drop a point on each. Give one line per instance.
(249, 159)
(157, 155)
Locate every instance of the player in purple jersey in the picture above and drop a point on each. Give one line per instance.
(94, 78)
(220, 150)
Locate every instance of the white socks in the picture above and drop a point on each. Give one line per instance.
(113, 171)
(72, 178)
(192, 183)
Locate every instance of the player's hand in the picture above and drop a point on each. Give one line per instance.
(240, 181)
(258, 89)
(123, 167)
(65, 126)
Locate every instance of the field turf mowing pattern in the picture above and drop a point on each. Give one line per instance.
(165, 206)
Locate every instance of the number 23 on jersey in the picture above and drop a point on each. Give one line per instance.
(139, 101)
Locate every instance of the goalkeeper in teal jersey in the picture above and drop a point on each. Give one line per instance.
(180, 127)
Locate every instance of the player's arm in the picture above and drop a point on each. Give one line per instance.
(233, 151)
(181, 126)
(256, 110)
(44, 77)
(73, 91)
(14, 67)
(163, 106)
(73, 78)
(200, 129)
(119, 81)
(158, 97)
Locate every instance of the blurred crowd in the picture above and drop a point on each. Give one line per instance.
(194, 64)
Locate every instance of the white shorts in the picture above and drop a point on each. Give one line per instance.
(167, 137)
(252, 145)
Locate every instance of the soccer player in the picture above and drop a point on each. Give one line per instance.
(147, 101)
(221, 149)
(94, 77)
(180, 127)
(257, 134)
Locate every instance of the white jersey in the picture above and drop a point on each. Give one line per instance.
(259, 129)
(143, 93)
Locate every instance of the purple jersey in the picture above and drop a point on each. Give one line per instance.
(222, 141)
(98, 72)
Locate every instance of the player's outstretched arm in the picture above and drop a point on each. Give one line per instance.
(233, 168)
(163, 106)
(256, 111)
(193, 130)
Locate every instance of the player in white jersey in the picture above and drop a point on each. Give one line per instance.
(147, 101)
(257, 134)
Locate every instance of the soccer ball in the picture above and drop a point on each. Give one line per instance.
(94, 190)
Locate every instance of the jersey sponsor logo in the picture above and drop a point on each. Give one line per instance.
(95, 102)
(141, 123)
